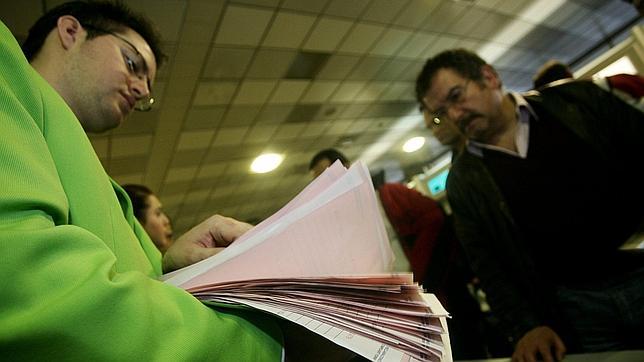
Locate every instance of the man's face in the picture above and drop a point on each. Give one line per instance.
(472, 106)
(105, 78)
(319, 167)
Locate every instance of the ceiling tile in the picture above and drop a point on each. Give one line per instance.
(314, 6)
(319, 91)
(204, 117)
(361, 38)
(230, 136)
(274, 113)
(367, 68)
(443, 42)
(338, 127)
(390, 42)
(303, 112)
(127, 165)
(359, 126)
(487, 4)
(414, 14)
(512, 7)
(240, 116)
(260, 133)
(443, 16)
(271, 63)
(393, 69)
(170, 13)
(269, 3)
(181, 174)
(228, 62)
(17, 19)
(126, 146)
(194, 140)
(306, 65)
(396, 91)
(187, 158)
(354, 110)
(211, 170)
(288, 30)
(467, 21)
(134, 178)
(417, 45)
(100, 145)
(289, 131)
(337, 67)
(314, 129)
(214, 93)
(350, 9)
(383, 11)
(372, 91)
(196, 197)
(289, 91)
(347, 91)
(243, 25)
(138, 123)
(254, 92)
(327, 34)
(490, 25)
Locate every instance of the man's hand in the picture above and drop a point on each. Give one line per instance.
(541, 340)
(203, 241)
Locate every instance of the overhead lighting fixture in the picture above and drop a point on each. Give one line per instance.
(413, 144)
(266, 162)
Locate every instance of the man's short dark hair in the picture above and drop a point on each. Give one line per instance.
(462, 61)
(110, 16)
(551, 71)
(330, 154)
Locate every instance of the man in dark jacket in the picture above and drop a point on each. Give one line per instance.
(543, 197)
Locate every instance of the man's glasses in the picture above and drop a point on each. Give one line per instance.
(135, 64)
(455, 96)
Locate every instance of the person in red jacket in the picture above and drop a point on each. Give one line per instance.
(429, 243)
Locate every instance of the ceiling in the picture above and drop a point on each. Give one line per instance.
(296, 76)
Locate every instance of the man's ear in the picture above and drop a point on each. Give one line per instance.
(490, 76)
(69, 30)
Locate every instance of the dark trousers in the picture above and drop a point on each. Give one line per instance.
(608, 316)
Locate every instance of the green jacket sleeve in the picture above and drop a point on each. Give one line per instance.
(76, 282)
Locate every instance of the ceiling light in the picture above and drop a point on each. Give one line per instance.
(413, 144)
(266, 162)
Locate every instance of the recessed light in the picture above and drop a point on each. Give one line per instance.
(413, 144)
(266, 162)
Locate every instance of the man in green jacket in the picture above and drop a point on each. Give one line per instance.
(78, 271)
(543, 196)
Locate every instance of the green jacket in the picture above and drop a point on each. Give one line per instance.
(77, 271)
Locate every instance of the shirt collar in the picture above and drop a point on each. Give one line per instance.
(524, 112)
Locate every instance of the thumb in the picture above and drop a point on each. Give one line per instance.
(560, 348)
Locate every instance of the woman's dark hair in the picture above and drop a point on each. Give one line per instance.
(330, 154)
(139, 195)
(110, 16)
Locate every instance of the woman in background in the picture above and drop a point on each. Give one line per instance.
(149, 211)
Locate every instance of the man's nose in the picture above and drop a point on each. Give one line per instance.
(140, 87)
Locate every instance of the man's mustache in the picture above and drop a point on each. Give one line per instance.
(466, 119)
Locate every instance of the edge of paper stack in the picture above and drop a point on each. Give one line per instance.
(323, 261)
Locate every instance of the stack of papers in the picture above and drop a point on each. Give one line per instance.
(323, 261)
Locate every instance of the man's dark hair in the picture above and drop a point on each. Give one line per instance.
(551, 71)
(462, 61)
(139, 195)
(110, 16)
(330, 154)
